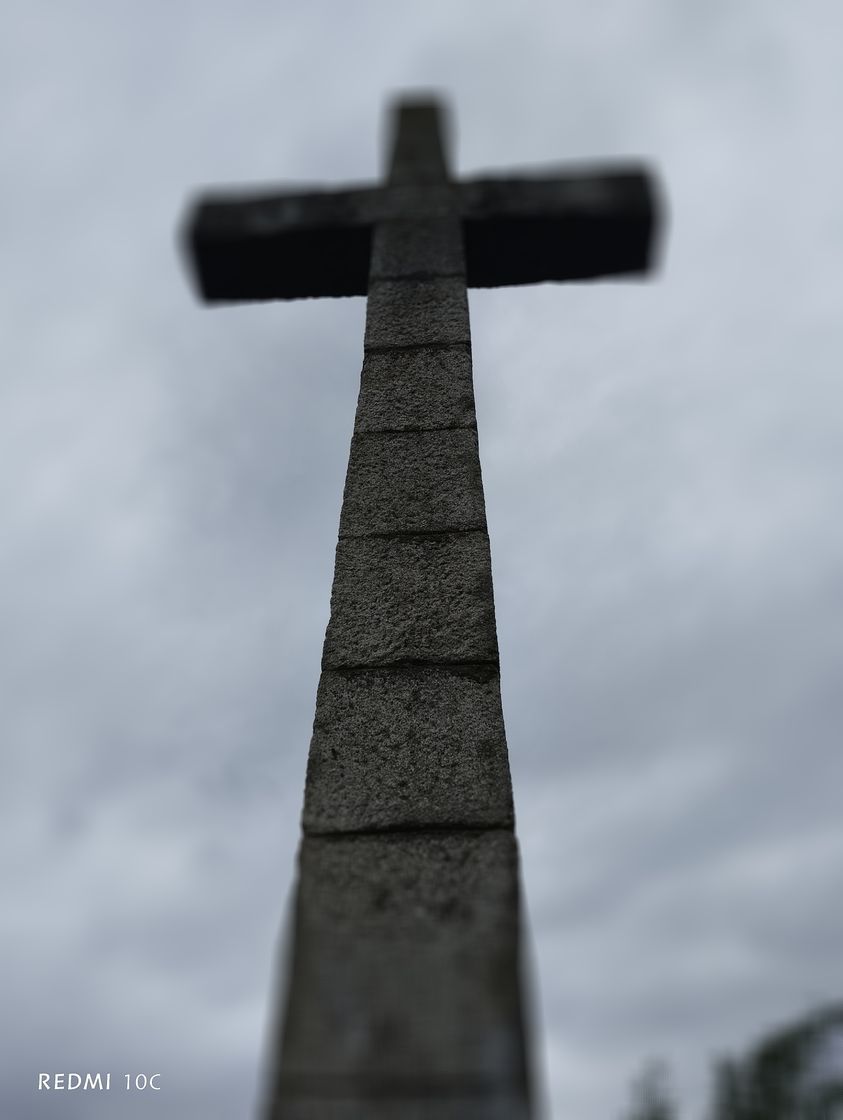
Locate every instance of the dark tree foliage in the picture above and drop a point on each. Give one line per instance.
(726, 1091)
(651, 1097)
(778, 1078)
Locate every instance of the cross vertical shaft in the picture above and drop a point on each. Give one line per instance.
(404, 997)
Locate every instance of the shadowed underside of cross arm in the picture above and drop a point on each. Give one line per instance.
(556, 227)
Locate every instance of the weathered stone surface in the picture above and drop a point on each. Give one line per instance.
(417, 312)
(425, 598)
(412, 245)
(408, 747)
(416, 200)
(416, 389)
(584, 192)
(431, 885)
(418, 145)
(498, 1103)
(406, 962)
(412, 482)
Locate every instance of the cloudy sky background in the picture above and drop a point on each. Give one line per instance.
(662, 464)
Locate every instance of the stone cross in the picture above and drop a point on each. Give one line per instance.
(404, 997)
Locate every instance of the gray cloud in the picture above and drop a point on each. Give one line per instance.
(661, 464)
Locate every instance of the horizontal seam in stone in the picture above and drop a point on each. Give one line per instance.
(429, 829)
(416, 663)
(406, 347)
(423, 533)
(403, 534)
(359, 432)
(420, 274)
(459, 345)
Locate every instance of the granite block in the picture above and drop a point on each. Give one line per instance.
(414, 245)
(418, 389)
(410, 747)
(422, 598)
(406, 960)
(417, 200)
(417, 313)
(413, 482)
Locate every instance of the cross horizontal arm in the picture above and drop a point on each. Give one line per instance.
(289, 246)
(568, 226)
(572, 226)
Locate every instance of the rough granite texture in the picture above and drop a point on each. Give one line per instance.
(399, 201)
(426, 245)
(411, 482)
(423, 598)
(387, 923)
(409, 747)
(417, 312)
(416, 389)
(433, 884)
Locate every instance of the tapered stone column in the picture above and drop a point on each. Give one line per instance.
(404, 997)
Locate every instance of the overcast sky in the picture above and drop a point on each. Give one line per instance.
(662, 463)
